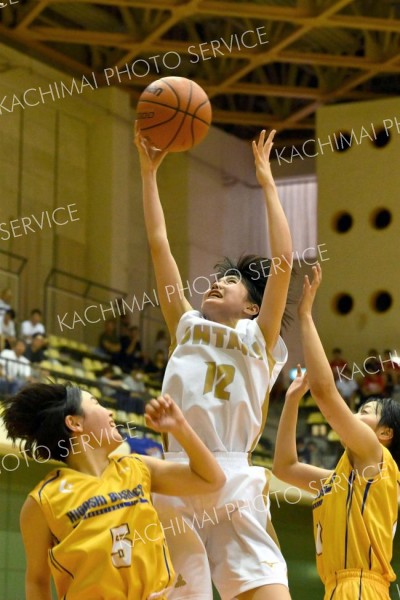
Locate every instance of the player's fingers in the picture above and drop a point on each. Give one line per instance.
(261, 139)
(155, 405)
(271, 136)
(162, 402)
(298, 370)
(149, 422)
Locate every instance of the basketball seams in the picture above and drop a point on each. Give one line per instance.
(168, 134)
(184, 118)
(180, 110)
(194, 116)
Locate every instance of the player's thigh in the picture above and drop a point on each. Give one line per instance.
(266, 592)
(243, 556)
(190, 562)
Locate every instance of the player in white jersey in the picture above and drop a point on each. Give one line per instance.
(224, 362)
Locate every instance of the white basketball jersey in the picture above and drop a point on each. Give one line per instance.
(221, 377)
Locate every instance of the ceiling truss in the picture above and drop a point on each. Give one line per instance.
(296, 56)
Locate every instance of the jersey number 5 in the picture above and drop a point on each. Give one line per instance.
(121, 553)
(218, 377)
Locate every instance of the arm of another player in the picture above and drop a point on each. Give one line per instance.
(37, 540)
(286, 462)
(357, 437)
(275, 295)
(202, 475)
(169, 283)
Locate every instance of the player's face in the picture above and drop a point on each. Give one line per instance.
(98, 423)
(226, 299)
(369, 414)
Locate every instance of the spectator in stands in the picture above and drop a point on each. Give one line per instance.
(348, 387)
(161, 342)
(156, 367)
(302, 451)
(373, 361)
(134, 381)
(32, 326)
(109, 342)
(373, 384)
(314, 453)
(131, 356)
(35, 351)
(16, 370)
(110, 382)
(7, 328)
(5, 300)
(391, 371)
(337, 362)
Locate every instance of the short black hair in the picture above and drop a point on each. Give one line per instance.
(390, 417)
(11, 312)
(36, 416)
(253, 271)
(36, 311)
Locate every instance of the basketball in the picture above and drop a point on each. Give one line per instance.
(174, 114)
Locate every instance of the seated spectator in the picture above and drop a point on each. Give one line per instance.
(373, 384)
(16, 369)
(109, 342)
(391, 371)
(113, 386)
(347, 387)
(303, 452)
(5, 300)
(110, 382)
(7, 328)
(134, 382)
(162, 342)
(32, 326)
(314, 453)
(156, 367)
(35, 351)
(337, 362)
(373, 361)
(131, 356)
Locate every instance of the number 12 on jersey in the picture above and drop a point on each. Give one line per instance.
(218, 377)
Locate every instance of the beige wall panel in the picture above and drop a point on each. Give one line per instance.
(363, 260)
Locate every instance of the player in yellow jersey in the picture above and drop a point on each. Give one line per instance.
(91, 523)
(355, 509)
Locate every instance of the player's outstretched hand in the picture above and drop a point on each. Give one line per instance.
(262, 150)
(299, 386)
(163, 415)
(150, 157)
(309, 291)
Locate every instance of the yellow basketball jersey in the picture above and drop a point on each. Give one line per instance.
(355, 519)
(108, 540)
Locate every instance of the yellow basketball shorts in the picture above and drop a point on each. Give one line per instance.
(356, 584)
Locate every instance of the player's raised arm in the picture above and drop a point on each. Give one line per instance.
(275, 295)
(286, 462)
(202, 475)
(37, 541)
(358, 437)
(169, 282)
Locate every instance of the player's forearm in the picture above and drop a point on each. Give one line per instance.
(153, 212)
(319, 371)
(285, 455)
(201, 461)
(278, 228)
(37, 591)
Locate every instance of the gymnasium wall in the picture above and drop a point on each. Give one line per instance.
(354, 186)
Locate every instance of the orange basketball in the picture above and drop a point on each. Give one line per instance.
(174, 114)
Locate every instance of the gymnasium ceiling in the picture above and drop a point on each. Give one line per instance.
(318, 51)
